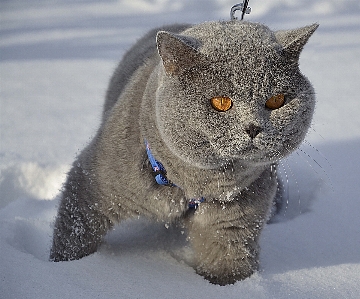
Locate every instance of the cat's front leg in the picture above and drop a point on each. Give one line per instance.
(80, 225)
(77, 233)
(224, 238)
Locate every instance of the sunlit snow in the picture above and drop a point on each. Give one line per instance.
(56, 58)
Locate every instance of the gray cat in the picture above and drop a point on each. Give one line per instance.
(193, 126)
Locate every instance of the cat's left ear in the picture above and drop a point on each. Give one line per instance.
(294, 40)
(178, 53)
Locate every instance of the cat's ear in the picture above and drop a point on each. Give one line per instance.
(294, 40)
(178, 53)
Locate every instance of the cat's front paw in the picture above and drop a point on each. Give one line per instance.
(222, 280)
(227, 276)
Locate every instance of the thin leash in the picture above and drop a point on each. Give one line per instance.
(245, 9)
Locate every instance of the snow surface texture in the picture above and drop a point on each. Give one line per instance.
(56, 58)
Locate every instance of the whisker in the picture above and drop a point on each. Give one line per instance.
(296, 184)
(285, 186)
(310, 160)
(312, 128)
(319, 152)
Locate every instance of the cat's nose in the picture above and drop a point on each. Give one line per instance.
(253, 130)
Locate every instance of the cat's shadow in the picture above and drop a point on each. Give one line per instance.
(138, 236)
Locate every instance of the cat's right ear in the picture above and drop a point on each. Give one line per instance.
(177, 53)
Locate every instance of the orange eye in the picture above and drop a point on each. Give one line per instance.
(275, 102)
(221, 104)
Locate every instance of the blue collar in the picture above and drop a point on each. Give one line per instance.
(161, 179)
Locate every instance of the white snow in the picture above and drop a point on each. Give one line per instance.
(56, 58)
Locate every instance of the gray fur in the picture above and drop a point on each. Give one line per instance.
(229, 158)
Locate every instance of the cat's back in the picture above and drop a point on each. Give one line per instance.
(135, 57)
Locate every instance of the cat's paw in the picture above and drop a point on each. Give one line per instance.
(226, 278)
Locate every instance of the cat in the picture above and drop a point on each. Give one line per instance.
(194, 122)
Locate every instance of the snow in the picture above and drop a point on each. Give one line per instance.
(56, 58)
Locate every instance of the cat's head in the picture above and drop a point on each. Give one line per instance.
(233, 90)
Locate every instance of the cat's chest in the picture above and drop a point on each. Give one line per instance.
(222, 184)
